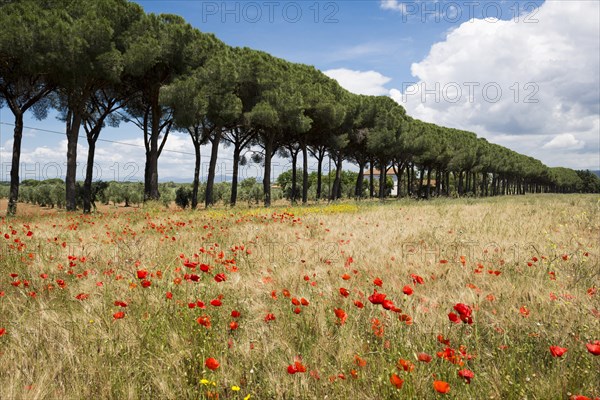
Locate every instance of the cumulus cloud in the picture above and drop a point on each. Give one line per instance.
(565, 141)
(360, 82)
(393, 5)
(528, 86)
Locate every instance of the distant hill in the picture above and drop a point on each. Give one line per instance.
(596, 173)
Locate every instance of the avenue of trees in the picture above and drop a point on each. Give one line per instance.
(103, 62)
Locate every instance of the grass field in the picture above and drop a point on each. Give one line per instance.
(139, 304)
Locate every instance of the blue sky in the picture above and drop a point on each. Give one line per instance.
(445, 61)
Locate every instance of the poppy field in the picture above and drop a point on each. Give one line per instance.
(493, 298)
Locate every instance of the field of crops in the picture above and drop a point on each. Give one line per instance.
(468, 299)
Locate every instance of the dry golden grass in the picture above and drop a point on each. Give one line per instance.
(56, 346)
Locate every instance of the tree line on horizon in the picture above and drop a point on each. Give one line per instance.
(102, 62)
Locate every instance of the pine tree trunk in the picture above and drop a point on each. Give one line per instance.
(14, 171)
(304, 174)
(267, 173)
(89, 172)
(371, 180)
(428, 190)
(319, 176)
(234, 178)
(73, 126)
(210, 179)
(197, 164)
(337, 183)
(358, 189)
(421, 176)
(382, 181)
(294, 176)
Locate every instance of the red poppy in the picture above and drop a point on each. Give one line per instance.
(454, 318)
(463, 309)
(235, 314)
(405, 365)
(304, 302)
(269, 317)
(557, 351)
(146, 283)
(295, 301)
(407, 290)
(204, 320)
(2, 331)
(119, 315)
(417, 279)
(296, 367)
(441, 387)
(341, 314)
(190, 264)
(233, 325)
(424, 357)
(169, 295)
(216, 302)
(211, 363)
(142, 274)
(594, 347)
(442, 340)
(358, 304)
(579, 397)
(388, 304)
(407, 319)
(378, 282)
(220, 278)
(359, 361)
(377, 298)
(120, 303)
(464, 312)
(466, 374)
(396, 381)
(377, 327)
(82, 296)
(345, 277)
(344, 292)
(524, 311)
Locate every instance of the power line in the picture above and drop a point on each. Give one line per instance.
(115, 141)
(112, 141)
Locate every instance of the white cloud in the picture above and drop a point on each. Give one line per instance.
(360, 82)
(393, 5)
(565, 141)
(547, 73)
